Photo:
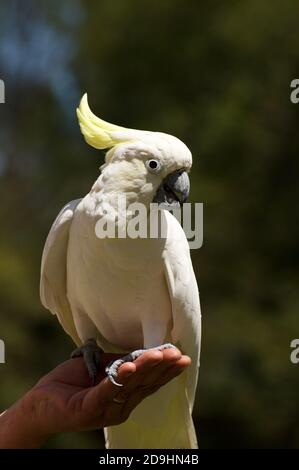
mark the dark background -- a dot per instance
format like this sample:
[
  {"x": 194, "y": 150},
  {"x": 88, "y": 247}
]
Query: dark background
[{"x": 217, "y": 75}]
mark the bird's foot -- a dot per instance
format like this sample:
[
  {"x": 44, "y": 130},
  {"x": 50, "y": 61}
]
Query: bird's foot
[
  {"x": 112, "y": 368},
  {"x": 91, "y": 354}
]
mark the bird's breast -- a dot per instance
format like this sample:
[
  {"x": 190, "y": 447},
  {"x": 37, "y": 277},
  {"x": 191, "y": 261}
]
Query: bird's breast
[{"x": 121, "y": 286}]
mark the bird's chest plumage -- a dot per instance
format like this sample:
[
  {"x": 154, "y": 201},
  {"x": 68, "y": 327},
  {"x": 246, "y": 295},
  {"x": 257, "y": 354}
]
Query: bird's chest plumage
[{"x": 120, "y": 285}]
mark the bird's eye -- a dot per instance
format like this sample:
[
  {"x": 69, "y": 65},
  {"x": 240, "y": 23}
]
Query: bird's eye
[{"x": 153, "y": 165}]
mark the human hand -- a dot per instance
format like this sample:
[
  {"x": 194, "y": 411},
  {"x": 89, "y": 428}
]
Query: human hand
[{"x": 63, "y": 401}]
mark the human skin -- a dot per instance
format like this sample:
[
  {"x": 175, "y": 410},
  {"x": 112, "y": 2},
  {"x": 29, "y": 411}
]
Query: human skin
[{"x": 64, "y": 401}]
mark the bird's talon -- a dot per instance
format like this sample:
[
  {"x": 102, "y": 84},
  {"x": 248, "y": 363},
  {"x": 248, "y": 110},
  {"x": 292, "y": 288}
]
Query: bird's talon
[
  {"x": 91, "y": 354},
  {"x": 112, "y": 368},
  {"x": 114, "y": 382}
]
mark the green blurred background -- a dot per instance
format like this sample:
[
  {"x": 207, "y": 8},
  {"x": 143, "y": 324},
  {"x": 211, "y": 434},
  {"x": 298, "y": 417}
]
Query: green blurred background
[{"x": 217, "y": 75}]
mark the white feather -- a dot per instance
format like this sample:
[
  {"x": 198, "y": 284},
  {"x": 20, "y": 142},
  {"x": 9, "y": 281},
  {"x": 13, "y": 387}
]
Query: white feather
[{"x": 53, "y": 270}]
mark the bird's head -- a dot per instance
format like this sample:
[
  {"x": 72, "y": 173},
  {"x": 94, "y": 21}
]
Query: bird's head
[{"x": 152, "y": 165}]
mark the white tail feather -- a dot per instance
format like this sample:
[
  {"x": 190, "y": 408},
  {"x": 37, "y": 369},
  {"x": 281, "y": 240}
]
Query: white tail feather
[{"x": 161, "y": 421}]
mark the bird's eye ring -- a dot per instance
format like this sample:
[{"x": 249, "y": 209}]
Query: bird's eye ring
[{"x": 153, "y": 165}]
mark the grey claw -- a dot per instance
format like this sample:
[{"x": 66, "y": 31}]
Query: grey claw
[
  {"x": 112, "y": 368},
  {"x": 91, "y": 354},
  {"x": 165, "y": 346},
  {"x": 111, "y": 378}
]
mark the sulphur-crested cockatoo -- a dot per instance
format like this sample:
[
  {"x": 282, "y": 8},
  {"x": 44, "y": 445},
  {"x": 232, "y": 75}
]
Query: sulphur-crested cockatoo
[{"x": 129, "y": 293}]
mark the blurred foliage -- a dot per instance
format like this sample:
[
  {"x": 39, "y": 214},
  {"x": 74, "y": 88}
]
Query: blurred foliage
[{"x": 217, "y": 75}]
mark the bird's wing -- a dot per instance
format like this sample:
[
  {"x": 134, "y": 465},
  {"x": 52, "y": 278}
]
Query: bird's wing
[
  {"x": 183, "y": 291},
  {"x": 53, "y": 270}
]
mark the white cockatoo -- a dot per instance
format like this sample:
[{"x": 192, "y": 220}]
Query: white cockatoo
[{"x": 129, "y": 293}]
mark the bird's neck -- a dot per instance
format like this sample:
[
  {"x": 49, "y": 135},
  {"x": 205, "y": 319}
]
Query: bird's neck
[{"x": 121, "y": 200}]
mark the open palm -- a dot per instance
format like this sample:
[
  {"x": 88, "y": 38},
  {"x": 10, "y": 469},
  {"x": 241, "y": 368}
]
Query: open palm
[{"x": 64, "y": 401}]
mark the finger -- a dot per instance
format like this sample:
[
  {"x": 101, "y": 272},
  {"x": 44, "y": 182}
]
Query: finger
[
  {"x": 129, "y": 375},
  {"x": 181, "y": 364},
  {"x": 148, "y": 359},
  {"x": 142, "y": 391},
  {"x": 151, "y": 363},
  {"x": 147, "y": 390},
  {"x": 164, "y": 375},
  {"x": 105, "y": 391},
  {"x": 149, "y": 366},
  {"x": 133, "y": 393},
  {"x": 171, "y": 373},
  {"x": 144, "y": 364},
  {"x": 150, "y": 371},
  {"x": 184, "y": 361},
  {"x": 171, "y": 354},
  {"x": 170, "y": 357},
  {"x": 174, "y": 369}
]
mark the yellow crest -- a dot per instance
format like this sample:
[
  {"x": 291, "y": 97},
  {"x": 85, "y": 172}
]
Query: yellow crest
[{"x": 97, "y": 133}]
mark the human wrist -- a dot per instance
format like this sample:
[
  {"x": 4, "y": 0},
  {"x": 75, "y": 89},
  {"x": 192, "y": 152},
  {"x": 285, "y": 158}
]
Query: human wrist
[{"x": 21, "y": 427}]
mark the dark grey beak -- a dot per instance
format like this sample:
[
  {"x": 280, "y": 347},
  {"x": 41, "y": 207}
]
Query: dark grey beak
[{"x": 174, "y": 189}]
